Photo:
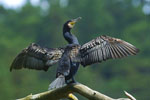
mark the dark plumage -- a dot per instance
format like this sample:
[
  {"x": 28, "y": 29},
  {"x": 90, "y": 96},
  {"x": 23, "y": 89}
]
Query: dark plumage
[
  {"x": 36, "y": 57},
  {"x": 103, "y": 48},
  {"x": 97, "y": 50}
]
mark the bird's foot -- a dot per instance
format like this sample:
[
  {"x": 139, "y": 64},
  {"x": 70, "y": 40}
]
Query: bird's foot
[{"x": 71, "y": 81}]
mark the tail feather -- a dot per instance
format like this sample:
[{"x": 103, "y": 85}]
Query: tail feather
[{"x": 57, "y": 83}]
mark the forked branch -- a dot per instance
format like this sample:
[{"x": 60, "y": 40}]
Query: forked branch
[{"x": 66, "y": 92}]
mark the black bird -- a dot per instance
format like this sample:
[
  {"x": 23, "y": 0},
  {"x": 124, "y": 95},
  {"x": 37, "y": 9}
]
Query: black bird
[{"x": 97, "y": 50}]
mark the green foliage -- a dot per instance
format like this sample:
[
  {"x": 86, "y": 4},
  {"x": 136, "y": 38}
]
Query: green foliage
[{"x": 117, "y": 18}]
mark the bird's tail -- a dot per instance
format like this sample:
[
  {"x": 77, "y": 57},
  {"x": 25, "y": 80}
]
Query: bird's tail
[{"x": 57, "y": 83}]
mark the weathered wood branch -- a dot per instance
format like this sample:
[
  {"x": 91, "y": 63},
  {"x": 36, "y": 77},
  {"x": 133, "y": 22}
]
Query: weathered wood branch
[{"x": 66, "y": 92}]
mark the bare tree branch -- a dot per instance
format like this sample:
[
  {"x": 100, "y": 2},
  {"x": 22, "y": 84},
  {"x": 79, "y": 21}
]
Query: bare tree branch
[{"x": 66, "y": 92}]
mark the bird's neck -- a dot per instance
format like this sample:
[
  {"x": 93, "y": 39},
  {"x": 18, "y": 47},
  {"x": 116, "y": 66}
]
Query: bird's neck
[{"x": 70, "y": 38}]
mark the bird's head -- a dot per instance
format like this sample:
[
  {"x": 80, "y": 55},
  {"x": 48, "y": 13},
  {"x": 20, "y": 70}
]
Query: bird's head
[{"x": 70, "y": 23}]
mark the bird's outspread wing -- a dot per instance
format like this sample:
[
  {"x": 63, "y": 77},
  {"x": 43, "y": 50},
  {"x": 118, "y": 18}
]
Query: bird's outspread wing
[
  {"x": 103, "y": 48},
  {"x": 36, "y": 57}
]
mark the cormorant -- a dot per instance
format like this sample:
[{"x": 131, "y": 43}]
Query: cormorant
[{"x": 68, "y": 58}]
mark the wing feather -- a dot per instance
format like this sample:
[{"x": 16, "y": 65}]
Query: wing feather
[
  {"x": 36, "y": 57},
  {"x": 103, "y": 48}
]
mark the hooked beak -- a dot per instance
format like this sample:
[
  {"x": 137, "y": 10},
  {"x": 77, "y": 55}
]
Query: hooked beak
[
  {"x": 73, "y": 21},
  {"x": 76, "y": 20}
]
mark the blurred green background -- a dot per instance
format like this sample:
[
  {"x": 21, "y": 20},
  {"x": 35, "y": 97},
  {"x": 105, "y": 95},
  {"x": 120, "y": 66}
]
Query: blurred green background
[{"x": 42, "y": 24}]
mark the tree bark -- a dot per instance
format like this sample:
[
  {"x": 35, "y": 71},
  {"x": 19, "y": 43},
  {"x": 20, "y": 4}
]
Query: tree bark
[{"x": 66, "y": 92}]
